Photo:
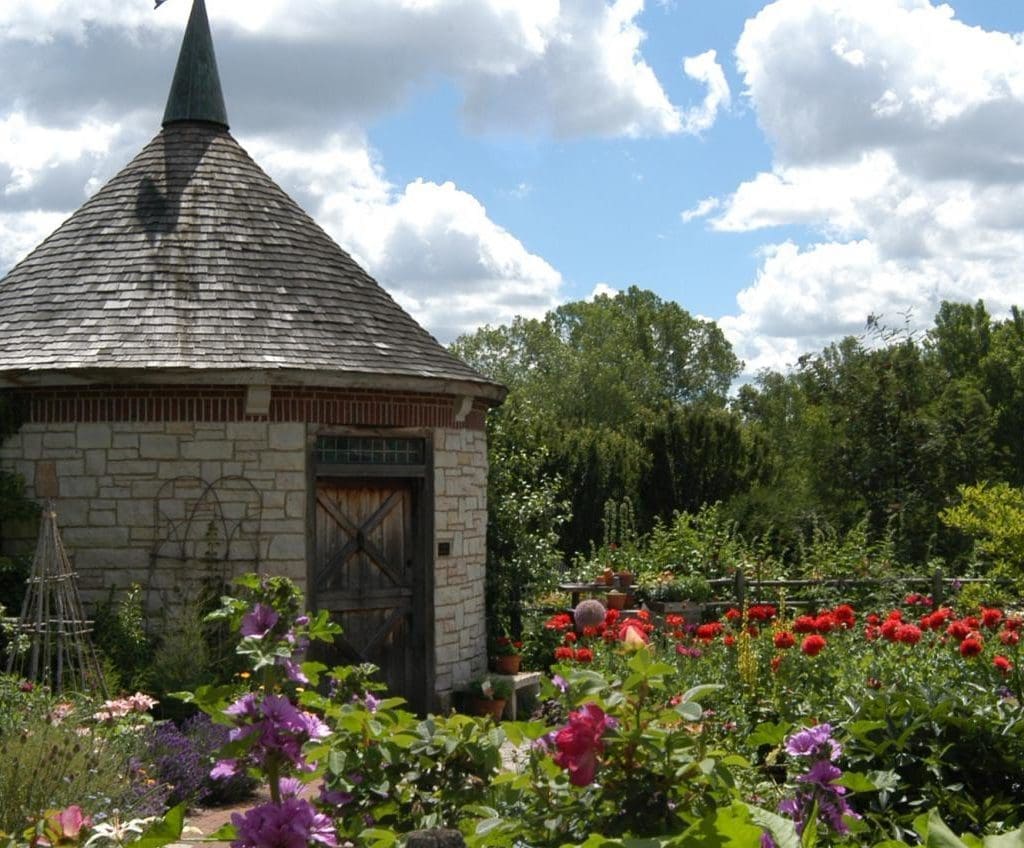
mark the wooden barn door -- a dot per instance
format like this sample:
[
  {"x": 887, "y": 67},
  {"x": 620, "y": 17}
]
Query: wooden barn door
[{"x": 370, "y": 573}]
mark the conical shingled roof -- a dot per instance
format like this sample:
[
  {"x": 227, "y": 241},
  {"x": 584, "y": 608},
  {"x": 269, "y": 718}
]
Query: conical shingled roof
[{"x": 193, "y": 260}]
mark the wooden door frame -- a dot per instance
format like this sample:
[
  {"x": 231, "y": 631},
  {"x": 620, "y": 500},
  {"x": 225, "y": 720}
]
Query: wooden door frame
[{"x": 421, "y": 481}]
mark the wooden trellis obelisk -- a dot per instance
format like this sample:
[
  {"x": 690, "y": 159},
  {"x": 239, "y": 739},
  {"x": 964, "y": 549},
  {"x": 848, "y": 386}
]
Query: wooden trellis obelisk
[{"x": 54, "y": 634}]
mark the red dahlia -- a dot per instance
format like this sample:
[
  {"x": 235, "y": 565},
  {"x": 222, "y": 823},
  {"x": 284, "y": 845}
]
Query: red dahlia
[{"x": 813, "y": 645}]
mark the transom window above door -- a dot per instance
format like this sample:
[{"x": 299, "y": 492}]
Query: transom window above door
[{"x": 349, "y": 452}]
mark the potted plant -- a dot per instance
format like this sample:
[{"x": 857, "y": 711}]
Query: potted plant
[
  {"x": 486, "y": 696},
  {"x": 616, "y": 600},
  {"x": 680, "y": 594},
  {"x": 506, "y": 656}
]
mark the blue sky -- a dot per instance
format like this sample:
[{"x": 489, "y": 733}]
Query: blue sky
[{"x": 490, "y": 158}]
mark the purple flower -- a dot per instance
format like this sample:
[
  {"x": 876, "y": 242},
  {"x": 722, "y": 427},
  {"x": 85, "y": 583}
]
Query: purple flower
[
  {"x": 560, "y": 683},
  {"x": 224, "y": 769},
  {"x": 812, "y": 741},
  {"x": 293, "y": 671},
  {"x": 292, "y": 824},
  {"x": 823, "y": 773},
  {"x": 335, "y": 797},
  {"x": 245, "y": 707},
  {"x": 259, "y": 622},
  {"x": 290, "y": 787},
  {"x": 371, "y": 702}
]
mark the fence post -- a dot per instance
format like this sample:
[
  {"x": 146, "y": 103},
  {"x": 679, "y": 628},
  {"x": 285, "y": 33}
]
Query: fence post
[
  {"x": 741, "y": 589},
  {"x": 937, "y": 586}
]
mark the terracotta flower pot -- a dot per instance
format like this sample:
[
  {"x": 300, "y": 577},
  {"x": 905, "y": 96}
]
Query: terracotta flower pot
[
  {"x": 508, "y": 664},
  {"x": 492, "y": 707},
  {"x": 616, "y": 600}
]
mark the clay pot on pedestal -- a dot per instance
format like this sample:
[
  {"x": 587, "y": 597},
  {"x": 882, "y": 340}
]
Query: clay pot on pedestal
[
  {"x": 492, "y": 707},
  {"x": 616, "y": 600},
  {"x": 507, "y": 664}
]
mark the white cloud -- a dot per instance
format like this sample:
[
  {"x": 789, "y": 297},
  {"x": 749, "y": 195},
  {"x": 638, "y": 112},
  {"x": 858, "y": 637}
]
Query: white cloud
[
  {"x": 28, "y": 149},
  {"x": 20, "y": 233},
  {"x": 895, "y": 130},
  {"x": 705, "y": 68},
  {"x": 571, "y": 68},
  {"x": 432, "y": 245},
  {"x": 602, "y": 290},
  {"x": 701, "y": 210}
]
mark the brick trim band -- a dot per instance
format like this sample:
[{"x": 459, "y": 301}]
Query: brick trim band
[{"x": 201, "y": 404}]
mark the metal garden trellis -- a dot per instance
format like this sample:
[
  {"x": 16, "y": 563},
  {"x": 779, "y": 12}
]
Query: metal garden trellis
[{"x": 51, "y": 642}]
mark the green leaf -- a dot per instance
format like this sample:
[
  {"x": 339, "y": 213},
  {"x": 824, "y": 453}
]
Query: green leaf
[
  {"x": 1013, "y": 839},
  {"x": 768, "y": 733},
  {"x": 783, "y": 830},
  {"x": 935, "y": 833},
  {"x": 378, "y": 838},
  {"x": 224, "y": 833},
  {"x": 690, "y": 710},
  {"x": 700, "y": 691},
  {"x": 164, "y": 830},
  {"x": 856, "y": 782},
  {"x": 725, "y": 827}
]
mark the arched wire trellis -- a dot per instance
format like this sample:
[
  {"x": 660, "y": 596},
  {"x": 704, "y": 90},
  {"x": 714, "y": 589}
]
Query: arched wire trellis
[
  {"x": 203, "y": 530},
  {"x": 53, "y": 630}
]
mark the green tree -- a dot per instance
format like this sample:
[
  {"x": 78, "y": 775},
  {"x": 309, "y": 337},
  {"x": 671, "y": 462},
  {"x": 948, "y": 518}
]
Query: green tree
[
  {"x": 590, "y": 378},
  {"x": 993, "y": 515}
]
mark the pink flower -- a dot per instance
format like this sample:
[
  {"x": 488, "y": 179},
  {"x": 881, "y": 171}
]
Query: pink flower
[{"x": 579, "y": 743}]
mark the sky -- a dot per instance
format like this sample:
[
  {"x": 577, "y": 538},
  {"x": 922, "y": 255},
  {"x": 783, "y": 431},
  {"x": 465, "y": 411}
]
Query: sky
[{"x": 785, "y": 169}]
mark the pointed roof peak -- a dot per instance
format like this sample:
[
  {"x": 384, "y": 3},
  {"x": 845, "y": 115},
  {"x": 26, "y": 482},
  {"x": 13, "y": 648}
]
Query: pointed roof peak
[{"x": 195, "y": 92}]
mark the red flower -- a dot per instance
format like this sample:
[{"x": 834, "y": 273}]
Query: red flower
[
  {"x": 845, "y": 616},
  {"x": 958, "y": 629},
  {"x": 590, "y": 631},
  {"x": 561, "y": 621},
  {"x": 776, "y": 662},
  {"x": 908, "y": 634},
  {"x": 584, "y": 655},
  {"x": 707, "y": 632},
  {"x": 1009, "y": 637},
  {"x": 971, "y": 646},
  {"x": 804, "y": 624},
  {"x": 1013, "y": 623},
  {"x": 889, "y": 628},
  {"x": 611, "y": 616},
  {"x": 991, "y": 617},
  {"x": 784, "y": 640},
  {"x": 825, "y": 623},
  {"x": 871, "y": 632},
  {"x": 579, "y": 743},
  {"x": 873, "y": 619},
  {"x": 761, "y": 612},
  {"x": 895, "y": 615},
  {"x": 729, "y": 640},
  {"x": 570, "y": 637},
  {"x": 732, "y": 614},
  {"x": 813, "y": 645},
  {"x": 1002, "y": 663},
  {"x": 563, "y": 653},
  {"x": 673, "y": 620}
]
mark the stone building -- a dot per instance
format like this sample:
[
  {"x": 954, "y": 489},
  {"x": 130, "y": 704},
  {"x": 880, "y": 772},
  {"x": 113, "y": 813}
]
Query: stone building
[{"x": 210, "y": 385}]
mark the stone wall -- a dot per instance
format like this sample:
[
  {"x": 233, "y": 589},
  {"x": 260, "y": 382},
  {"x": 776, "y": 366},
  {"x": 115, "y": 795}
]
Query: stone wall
[
  {"x": 460, "y": 519},
  {"x": 170, "y": 504}
]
